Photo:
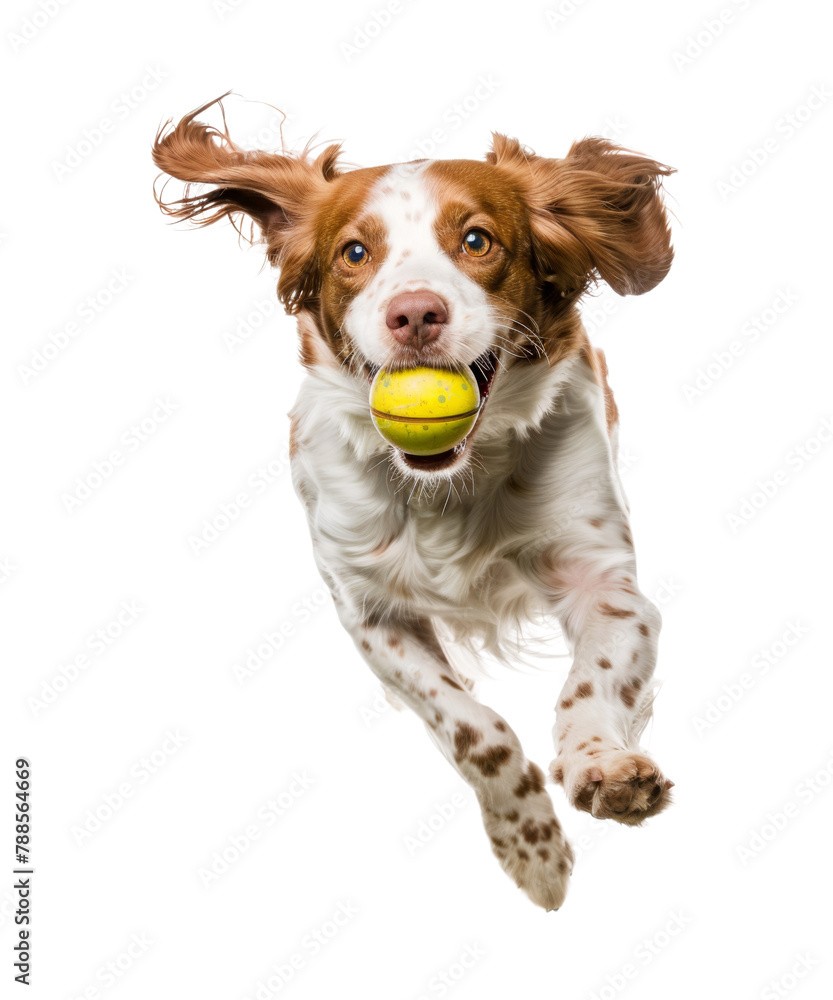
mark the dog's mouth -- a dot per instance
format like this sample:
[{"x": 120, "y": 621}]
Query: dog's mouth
[{"x": 484, "y": 369}]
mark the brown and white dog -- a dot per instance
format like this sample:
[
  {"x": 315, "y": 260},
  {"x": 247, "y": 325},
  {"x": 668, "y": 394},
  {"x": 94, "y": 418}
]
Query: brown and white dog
[{"x": 479, "y": 264}]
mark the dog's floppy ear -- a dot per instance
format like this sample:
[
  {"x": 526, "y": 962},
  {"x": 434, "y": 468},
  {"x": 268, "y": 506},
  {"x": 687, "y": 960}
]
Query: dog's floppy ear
[
  {"x": 278, "y": 192},
  {"x": 599, "y": 210}
]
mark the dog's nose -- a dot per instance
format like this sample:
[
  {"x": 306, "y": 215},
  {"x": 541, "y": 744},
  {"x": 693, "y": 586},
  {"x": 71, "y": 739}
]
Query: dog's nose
[{"x": 416, "y": 317}]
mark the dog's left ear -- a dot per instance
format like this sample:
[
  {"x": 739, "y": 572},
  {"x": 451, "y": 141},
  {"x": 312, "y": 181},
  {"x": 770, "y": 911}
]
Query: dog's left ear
[{"x": 600, "y": 210}]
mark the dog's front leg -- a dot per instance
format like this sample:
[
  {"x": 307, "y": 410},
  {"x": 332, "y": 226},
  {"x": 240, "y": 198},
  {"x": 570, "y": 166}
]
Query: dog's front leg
[
  {"x": 517, "y": 810},
  {"x": 612, "y": 629}
]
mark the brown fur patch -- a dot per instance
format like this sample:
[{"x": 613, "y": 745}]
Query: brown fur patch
[
  {"x": 491, "y": 760},
  {"x": 643, "y": 628},
  {"x": 610, "y": 611},
  {"x": 450, "y": 681},
  {"x": 465, "y": 737},
  {"x": 529, "y": 831},
  {"x": 604, "y": 663},
  {"x": 566, "y": 703},
  {"x": 532, "y": 783},
  {"x": 584, "y": 690},
  {"x": 597, "y": 362}
]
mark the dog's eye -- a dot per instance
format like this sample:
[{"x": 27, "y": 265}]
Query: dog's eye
[
  {"x": 355, "y": 255},
  {"x": 476, "y": 243}
]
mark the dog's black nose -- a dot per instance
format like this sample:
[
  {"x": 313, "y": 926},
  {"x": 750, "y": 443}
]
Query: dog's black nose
[{"x": 416, "y": 317}]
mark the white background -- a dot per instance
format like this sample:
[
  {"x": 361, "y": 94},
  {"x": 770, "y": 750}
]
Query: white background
[{"x": 720, "y": 895}]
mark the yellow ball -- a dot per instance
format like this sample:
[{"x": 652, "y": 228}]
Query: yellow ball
[{"x": 424, "y": 411}]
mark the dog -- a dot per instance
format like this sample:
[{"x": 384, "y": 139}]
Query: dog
[{"x": 432, "y": 561}]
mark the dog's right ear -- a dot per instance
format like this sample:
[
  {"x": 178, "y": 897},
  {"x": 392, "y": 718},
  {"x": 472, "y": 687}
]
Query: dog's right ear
[{"x": 278, "y": 192}]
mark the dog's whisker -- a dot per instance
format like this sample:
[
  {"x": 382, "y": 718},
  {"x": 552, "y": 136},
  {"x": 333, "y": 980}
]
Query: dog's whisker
[
  {"x": 504, "y": 340},
  {"x": 412, "y": 491},
  {"x": 447, "y": 498},
  {"x": 533, "y": 339}
]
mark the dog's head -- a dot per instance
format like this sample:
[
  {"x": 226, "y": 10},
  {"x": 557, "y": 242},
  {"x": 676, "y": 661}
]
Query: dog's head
[{"x": 440, "y": 263}]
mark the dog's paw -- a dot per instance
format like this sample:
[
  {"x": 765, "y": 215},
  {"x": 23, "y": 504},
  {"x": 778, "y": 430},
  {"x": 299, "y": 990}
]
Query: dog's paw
[
  {"x": 527, "y": 839},
  {"x": 613, "y": 784}
]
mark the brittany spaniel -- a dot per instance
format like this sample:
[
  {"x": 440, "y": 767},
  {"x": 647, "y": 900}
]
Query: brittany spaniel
[{"x": 430, "y": 561}]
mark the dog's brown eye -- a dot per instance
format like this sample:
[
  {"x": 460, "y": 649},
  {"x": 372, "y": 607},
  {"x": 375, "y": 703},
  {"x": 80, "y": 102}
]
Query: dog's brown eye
[
  {"x": 476, "y": 243},
  {"x": 355, "y": 254}
]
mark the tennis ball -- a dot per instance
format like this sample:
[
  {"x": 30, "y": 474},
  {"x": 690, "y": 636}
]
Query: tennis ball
[{"x": 424, "y": 411}]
